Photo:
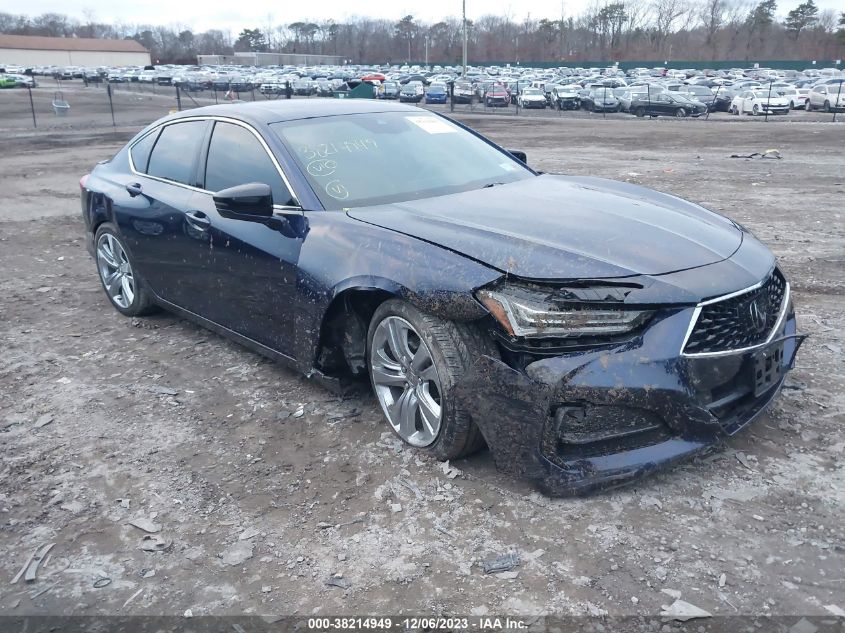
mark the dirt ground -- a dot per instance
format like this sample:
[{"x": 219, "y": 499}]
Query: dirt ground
[{"x": 265, "y": 485}]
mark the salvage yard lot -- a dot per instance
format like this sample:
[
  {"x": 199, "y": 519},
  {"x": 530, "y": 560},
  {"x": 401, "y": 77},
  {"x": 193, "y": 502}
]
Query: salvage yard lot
[{"x": 265, "y": 486}]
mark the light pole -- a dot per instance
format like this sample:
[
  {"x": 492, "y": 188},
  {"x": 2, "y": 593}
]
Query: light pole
[
  {"x": 426, "y": 51},
  {"x": 465, "y": 39}
]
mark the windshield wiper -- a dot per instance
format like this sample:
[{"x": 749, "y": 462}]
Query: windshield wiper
[{"x": 492, "y": 184}]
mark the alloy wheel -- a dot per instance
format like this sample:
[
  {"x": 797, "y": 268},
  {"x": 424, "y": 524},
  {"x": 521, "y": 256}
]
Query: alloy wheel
[
  {"x": 406, "y": 381},
  {"x": 115, "y": 271}
]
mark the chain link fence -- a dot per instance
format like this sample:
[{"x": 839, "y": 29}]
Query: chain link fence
[{"x": 77, "y": 104}]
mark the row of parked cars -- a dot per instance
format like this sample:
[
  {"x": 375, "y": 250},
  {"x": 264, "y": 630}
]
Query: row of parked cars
[{"x": 639, "y": 91}]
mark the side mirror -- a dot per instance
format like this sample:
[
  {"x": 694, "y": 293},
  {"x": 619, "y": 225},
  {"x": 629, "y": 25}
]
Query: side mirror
[
  {"x": 252, "y": 202},
  {"x": 519, "y": 155}
]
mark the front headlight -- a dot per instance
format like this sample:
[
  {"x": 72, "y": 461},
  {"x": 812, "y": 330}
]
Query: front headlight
[{"x": 552, "y": 312}]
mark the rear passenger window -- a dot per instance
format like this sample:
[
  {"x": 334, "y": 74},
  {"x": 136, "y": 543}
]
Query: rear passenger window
[
  {"x": 174, "y": 152},
  {"x": 141, "y": 151},
  {"x": 236, "y": 157}
]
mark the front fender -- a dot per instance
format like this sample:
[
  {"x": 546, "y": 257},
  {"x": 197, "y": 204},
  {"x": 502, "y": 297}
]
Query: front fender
[{"x": 341, "y": 254}]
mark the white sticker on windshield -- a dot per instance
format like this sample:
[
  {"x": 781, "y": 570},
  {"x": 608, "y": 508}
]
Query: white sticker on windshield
[
  {"x": 507, "y": 166},
  {"x": 432, "y": 124}
]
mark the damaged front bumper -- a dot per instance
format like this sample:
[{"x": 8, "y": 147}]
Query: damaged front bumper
[{"x": 591, "y": 420}]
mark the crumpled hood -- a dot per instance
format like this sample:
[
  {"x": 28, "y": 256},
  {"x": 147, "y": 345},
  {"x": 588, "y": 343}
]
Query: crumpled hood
[{"x": 562, "y": 227}]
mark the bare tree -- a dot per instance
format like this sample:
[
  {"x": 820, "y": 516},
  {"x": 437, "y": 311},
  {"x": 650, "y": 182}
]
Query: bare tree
[
  {"x": 712, "y": 16},
  {"x": 666, "y": 14}
]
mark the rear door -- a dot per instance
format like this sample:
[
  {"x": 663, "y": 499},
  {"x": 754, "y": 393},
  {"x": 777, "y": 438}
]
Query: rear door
[{"x": 152, "y": 213}]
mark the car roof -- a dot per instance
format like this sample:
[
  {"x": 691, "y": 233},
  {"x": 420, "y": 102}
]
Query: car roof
[{"x": 277, "y": 110}]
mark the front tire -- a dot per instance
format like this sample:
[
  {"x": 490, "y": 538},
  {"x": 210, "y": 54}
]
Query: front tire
[
  {"x": 126, "y": 291},
  {"x": 827, "y": 106},
  {"x": 680, "y": 113},
  {"x": 415, "y": 360}
]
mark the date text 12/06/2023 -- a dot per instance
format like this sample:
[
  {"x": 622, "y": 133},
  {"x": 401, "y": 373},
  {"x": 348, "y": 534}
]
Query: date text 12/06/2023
[{"x": 405, "y": 623}]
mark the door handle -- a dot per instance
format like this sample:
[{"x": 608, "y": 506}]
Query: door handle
[
  {"x": 198, "y": 220},
  {"x": 133, "y": 189}
]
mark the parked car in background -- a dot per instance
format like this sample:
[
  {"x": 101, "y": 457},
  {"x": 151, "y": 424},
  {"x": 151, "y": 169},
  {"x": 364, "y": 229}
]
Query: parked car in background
[
  {"x": 601, "y": 100},
  {"x": 436, "y": 93},
  {"x": 625, "y": 96},
  {"x": 797, "y": 97},
  {"x": 532, "y": 98},
  {"x": 497, "y": 96},
  {"x": 702, "y": 94},
  {"x": 304, "y": 88},
  {"x": 324, "y": 88},
  {"x": 389, "y": 90},
  {"x": 566, "y": 97},
  {"x": 666, "y": 104},
  {"x": 412, "y": 92},
  {"x": 464, "y": 92},
  {"x": 21, "y": 81},
  {"x": 759, "y": 101},
  {"x": 828, "y": 96},
  {"x": 722, "y": 98}
]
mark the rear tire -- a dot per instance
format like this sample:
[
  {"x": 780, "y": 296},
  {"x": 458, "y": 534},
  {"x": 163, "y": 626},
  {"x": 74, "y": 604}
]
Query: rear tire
[
  {"x": 118, "y": 275},
  {"x": 640, "y": 112},
  {"x": 452, "y": 348},
  {"x": 826, "y": 106}
]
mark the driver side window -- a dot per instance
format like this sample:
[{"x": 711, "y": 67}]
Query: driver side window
[{"x": 236, "y": 157}]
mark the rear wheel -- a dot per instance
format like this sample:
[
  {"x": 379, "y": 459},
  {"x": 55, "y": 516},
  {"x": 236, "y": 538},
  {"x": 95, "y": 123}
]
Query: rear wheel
[
  {"x": 755, "y": 110},
  {"x": 640, "y": 112},
  {"x": 123, "y": 287},
  {"x": 827, "y": 106},
  {"x": 415, "y": 360}
]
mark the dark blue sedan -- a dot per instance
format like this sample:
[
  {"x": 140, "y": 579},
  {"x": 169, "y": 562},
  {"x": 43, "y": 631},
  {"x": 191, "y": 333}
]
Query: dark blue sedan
[
  {"x": 588, "y": 331},
  {"x": 436, "y": 93}
]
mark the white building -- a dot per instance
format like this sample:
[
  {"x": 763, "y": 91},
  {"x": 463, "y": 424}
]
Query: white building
[{"x": 30, "y": 50}]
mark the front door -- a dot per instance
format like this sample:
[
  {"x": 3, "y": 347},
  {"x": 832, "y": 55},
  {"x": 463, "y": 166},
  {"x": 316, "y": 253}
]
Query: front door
[{"x": 249, "y": 268}]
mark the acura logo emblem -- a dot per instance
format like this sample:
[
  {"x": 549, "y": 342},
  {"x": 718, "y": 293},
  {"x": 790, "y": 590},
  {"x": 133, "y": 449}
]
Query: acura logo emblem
[{"x": 757, "y": 313}]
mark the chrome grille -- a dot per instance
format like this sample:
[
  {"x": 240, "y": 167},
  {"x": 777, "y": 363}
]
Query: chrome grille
[{"x": 740, "y": 321}]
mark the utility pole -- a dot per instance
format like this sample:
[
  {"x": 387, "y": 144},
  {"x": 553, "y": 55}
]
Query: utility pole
[
  {"x": 465, "y": 38},
  {"x": 426, "y": 51}
]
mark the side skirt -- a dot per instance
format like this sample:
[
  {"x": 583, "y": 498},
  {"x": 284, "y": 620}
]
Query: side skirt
[{"x": 329, "y": 382}]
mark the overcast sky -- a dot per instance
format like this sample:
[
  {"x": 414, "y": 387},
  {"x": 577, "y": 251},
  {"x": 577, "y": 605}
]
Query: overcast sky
[{"x": 233, "y": 16}]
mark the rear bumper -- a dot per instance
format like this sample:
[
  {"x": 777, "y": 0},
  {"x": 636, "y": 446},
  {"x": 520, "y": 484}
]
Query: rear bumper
[{"x": 588, "y": 421}]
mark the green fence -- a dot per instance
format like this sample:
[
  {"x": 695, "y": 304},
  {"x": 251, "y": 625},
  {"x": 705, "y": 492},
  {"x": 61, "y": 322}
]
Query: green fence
[{"x": 778, "y": 64}]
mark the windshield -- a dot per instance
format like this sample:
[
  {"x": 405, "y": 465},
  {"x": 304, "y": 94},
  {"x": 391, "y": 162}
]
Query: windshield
[
  {"x": 360, "y": 160},
  {"x": 531, "y": 91}
]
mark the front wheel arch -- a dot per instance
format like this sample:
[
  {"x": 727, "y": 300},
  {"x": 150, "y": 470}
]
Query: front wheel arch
[{"x": 339, "y": 348}]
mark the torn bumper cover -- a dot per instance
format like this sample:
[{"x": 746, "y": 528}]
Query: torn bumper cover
[{"x": 593, "y": 420}]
